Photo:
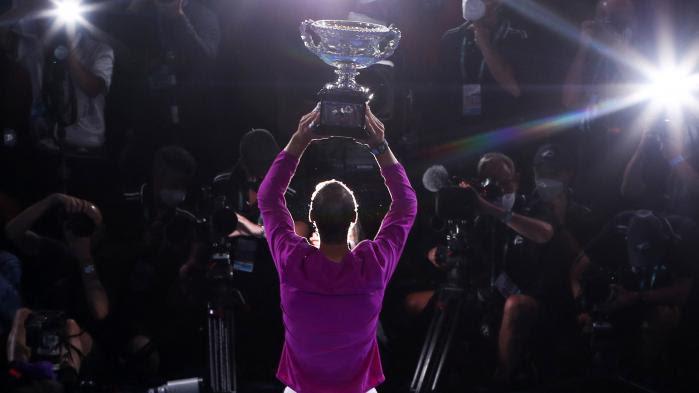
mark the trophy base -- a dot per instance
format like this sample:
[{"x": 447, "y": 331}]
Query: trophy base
[{"x": 342, "y": 113}]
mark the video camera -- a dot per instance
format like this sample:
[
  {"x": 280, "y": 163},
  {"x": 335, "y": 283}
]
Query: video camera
[{"x": 455, "y": 202}]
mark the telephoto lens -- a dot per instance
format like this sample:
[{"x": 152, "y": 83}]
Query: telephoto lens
[
  {"x": 80, "y": 224},
  {"x": 190, "y": 385}
]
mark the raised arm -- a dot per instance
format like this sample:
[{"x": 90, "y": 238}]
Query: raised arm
[
  {"x": 499, "y": 67},
  {"x": 276, "y": 218},
  {"x": 397, "y": 223},
  {"x": 18, "y": 230},
  {"x": 197, "y": 34},
  {"x": 573, "y": 88}
]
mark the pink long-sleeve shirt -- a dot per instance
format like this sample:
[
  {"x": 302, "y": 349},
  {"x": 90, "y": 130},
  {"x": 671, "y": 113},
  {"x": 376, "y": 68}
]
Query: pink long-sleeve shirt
[{"x": 330, "y": 309}]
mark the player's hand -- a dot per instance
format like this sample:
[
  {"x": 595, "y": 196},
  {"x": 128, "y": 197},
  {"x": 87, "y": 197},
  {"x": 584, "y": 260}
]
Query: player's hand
[{"x": 375, "y": 129}]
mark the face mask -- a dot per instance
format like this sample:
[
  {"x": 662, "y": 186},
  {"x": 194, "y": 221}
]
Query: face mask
[
  {"x": 172, "y": 198},
  {"x": 473, "y": 10},
  {"x": 507, "y": 201},
  {"x": 549, "y": 189}
]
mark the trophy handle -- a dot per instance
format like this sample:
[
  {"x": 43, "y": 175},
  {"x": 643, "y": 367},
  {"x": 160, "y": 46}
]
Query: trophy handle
[
  {"x": 307, "y": 37},
  {"x": 392, "y": 40}
]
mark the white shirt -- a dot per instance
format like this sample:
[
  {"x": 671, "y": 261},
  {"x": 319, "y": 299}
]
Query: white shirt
[{"x": 89, "y": 129}]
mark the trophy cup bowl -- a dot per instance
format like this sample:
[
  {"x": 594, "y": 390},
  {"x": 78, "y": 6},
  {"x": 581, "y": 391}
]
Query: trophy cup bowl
[{"x": 348, "y": 46}]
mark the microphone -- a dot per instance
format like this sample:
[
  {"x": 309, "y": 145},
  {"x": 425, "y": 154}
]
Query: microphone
[{"x": 435, "y": 178}]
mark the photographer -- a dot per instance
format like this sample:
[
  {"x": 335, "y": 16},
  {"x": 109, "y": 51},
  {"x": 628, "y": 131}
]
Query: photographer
[
  {"x": 525, "y": 236},
  {"x": 70, "y": 72},
  {"x": 662, "y": 174},
  {"x": 592, "y": 71},
  {"x": 598, "y": 75},
  {"x": 163, "y": 248},
  {"x": 173, "y": 47},
  {"x": 65, "y": 277},
  {"x": 484, "y": 64},
  {"x": 257, "y": 151},
  {"x": 651, "y": 300},
  {"x": 331, "y": 295}
]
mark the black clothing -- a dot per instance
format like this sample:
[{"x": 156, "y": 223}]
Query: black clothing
[
  {"x": 542, "y": 270},
  {"x": 609, "y": 249},
  {"x": 462, "y": 63},
  {"x": 53, "y": 281}
]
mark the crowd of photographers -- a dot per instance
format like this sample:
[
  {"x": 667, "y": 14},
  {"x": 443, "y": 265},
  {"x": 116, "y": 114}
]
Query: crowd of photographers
[{"x": 574, "y": 250}]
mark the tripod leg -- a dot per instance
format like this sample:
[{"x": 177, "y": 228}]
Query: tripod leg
[
  {"x": 213, "y": 372},
  {"x": 427, "y": 349},
  {"x": 222, "y": 365},
  {"x": 451, "y": 328}
]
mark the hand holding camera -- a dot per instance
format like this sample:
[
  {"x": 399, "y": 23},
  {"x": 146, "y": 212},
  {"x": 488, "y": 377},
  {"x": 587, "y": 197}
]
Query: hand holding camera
[
  {"x": 80, "y": 220},
  {"x": 481, "y": 33},
  {"x": 72, "y": 205},
  {"x": 474, "y": 198}
]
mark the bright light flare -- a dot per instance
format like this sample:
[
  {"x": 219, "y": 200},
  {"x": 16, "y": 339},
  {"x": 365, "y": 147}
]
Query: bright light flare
[
  {"x": 68, "y": 12},
  {"x": 672, "y": 88}
]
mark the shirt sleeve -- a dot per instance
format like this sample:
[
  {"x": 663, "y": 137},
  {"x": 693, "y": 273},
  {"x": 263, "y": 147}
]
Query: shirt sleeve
[
  {"x": 396, "y": 225},
  {"x": 277, "y": 221},
  {"x": 103, "y": 65}
]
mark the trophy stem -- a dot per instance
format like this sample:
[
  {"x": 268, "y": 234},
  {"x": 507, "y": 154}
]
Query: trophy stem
[{"x": 346, "y": 78}]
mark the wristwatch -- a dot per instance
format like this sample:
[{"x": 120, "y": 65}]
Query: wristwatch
[
  {"x": 89, "y": 269},
  {"x": 379, "y": 149}
]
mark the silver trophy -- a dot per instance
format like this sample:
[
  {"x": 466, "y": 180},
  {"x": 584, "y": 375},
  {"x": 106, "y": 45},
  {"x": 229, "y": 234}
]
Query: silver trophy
[{"x": 348, "y": 46}]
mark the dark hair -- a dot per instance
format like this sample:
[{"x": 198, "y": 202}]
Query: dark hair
[
  {"x": 554, "y": 158},
  {"x": 490, "y": 157},
  {"x": 258, "y": 148},
  {"x": 333, "y": 210},
  {"x": 176, "y": 159}
]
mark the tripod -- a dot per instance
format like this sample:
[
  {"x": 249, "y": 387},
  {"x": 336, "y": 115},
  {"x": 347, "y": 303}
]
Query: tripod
[
  {"x": 223, "y": 300},
  {"x": 458, "y": 295},
  {"x": 440, "y": 335},
  {"x": 452, "y": 299}
]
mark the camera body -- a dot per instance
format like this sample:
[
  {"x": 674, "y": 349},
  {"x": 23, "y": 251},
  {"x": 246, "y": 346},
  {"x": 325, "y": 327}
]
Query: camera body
[
  {"x": 46, "y": 333},
  {"x": 457, "y": 203},
  {"x": 79, "y": 224},
  {"x": 597, "y": 284}
]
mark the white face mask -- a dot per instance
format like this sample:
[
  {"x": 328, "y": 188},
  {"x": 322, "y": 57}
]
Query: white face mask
[
  {"x": 507, "y": 201},
  {"x": 172, "y": 197},
  {"x": 473, "y": 10}
]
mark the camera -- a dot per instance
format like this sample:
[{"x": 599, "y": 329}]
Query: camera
[
  {"x": 46, "y": 333},
  {"x": 596, "y": 288},
  {"x": 457, "y": 203},
  {"x": 79, "y": 224}
]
